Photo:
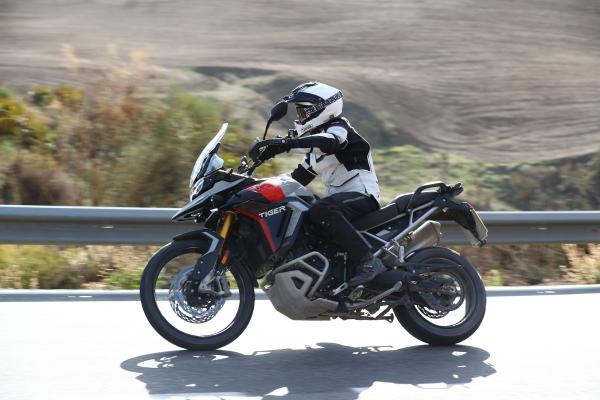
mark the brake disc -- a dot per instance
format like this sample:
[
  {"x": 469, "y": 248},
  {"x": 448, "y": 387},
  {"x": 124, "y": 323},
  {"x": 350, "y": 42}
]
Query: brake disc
[
  {"x": 440, "y": 297},
  {"x": 203, "y": 310}
]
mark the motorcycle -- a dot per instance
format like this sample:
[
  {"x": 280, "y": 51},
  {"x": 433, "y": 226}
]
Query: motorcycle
[{"x": 198, "y": 290}]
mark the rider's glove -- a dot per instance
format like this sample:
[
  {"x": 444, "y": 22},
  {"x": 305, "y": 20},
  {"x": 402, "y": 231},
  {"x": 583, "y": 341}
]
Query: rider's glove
[{"x": 269, "y": 148}]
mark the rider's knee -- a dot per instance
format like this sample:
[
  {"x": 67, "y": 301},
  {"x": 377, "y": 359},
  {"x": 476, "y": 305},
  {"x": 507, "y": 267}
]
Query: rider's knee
[{"x": 324, "y": 212}]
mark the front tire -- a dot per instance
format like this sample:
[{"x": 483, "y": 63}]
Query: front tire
[
  {"x": 165, "y": 326},
  {"x": 423, "y": 328}
]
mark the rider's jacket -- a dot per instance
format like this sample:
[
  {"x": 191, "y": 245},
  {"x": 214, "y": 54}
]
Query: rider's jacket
[{"x": 341, "y": 156}]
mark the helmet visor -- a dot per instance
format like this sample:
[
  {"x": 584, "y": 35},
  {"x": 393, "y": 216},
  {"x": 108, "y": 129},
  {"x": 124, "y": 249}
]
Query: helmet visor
[{"x": 301, "y": 112}]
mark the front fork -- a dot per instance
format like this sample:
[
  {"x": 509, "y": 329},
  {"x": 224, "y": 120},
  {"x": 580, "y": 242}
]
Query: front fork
[
  {"x": 223, "y": 232},
  {"x": 206, "y": 268}
]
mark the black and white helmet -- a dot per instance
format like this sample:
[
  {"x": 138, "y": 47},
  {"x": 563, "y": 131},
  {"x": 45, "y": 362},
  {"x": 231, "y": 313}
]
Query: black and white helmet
[{"x": 316, "y": 103}]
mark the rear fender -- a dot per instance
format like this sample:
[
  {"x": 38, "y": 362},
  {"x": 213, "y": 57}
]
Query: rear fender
[{"x": 464, "y": 215}]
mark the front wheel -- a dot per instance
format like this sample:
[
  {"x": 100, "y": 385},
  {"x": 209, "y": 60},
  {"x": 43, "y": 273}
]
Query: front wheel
[
  {"x": 460, "y": 299},
  {"x": 207, "y": 322}
]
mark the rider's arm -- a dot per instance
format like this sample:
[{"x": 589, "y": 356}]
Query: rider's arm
[
  {"x": 328, "y": 142},
  {"x": 304, "y": 174}
]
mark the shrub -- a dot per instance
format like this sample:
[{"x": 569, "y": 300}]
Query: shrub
[
  {"x": 125, "y": 279},
  {"x": 11, "y": 115},
  {"x": 8, "y": 126},
  {"x": 126, "y": 266},
  {"x": 5, "y": 92},
  {"x": 493, "y": 278},
  {"x": 517, "y": 264},
  {"x": 38, "y": 179},
  {"x": 41, "y": 95},
  {"x": 31, "y": 267},
  {"x": 19, "y": 123},
  {"x": 54, "y": 267},
  {"x": 584, "y": 263},
  {"x": 120, "y": 147},
  {"x": 69, "y": 96}
]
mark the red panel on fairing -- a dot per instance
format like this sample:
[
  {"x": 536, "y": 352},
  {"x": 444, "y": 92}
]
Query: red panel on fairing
[{"x": 270, "y": 189}]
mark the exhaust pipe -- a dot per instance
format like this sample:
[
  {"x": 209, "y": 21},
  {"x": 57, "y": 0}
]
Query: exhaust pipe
[{"x": 428, "y": 235}]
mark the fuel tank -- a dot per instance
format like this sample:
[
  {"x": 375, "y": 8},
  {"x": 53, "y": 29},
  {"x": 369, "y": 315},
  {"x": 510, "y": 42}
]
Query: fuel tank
[
  {"x": 280, "y": 187},
  {"x": 273, "y": 203}
]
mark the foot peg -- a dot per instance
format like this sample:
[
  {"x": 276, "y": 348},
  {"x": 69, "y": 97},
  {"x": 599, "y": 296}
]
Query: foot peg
[
  {"x": 339, "y": 290},
  {"x": 356, "y": 293}
]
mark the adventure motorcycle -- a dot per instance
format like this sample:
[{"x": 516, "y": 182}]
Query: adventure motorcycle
[{"x": 256, "y": 233}]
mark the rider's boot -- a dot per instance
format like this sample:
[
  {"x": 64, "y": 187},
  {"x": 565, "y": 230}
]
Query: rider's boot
[{"x": 368, "y": 268}]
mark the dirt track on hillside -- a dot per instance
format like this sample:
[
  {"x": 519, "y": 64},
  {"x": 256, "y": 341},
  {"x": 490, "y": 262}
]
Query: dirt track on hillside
[{"x": 491, "y": 79}]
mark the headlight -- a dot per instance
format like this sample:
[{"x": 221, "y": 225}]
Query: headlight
[{"x": 196, "y": 189}]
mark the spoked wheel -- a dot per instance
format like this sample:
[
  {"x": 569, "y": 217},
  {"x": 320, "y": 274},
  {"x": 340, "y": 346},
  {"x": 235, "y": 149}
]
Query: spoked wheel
[
  {"x": 456, "y": 299},
  {"x": 206, "y": 321}
]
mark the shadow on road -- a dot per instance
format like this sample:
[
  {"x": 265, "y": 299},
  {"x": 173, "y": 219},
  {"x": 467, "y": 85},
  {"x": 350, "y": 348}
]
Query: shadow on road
[{"x": 307, "y": 372}]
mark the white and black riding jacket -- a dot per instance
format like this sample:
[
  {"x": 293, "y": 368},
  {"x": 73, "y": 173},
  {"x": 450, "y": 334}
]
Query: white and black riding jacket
[{"x": 341, "y": 156}]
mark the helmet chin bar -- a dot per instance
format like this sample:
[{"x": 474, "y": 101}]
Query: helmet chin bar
[{"x": 302, "y": 129}]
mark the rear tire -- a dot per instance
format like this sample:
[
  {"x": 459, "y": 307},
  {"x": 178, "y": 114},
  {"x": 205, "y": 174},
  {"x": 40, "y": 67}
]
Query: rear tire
[
  {"x": 168, "y": 331},
  {"x": 475, "y": 300}
]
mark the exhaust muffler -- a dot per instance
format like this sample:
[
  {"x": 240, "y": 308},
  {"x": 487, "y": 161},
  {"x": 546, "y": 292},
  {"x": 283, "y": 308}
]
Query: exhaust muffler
[{"x": 427, "y": 235}]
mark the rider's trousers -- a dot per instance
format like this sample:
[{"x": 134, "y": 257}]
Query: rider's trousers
[{"x": 334, "y": 213}]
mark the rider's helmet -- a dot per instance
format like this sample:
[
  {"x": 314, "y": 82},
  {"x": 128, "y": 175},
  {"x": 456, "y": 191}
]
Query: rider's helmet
[{"x": 316, "y": 103}]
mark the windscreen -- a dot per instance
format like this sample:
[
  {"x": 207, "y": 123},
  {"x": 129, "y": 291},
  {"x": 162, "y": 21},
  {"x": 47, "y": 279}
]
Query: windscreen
[{"x": 204, "y": 157}]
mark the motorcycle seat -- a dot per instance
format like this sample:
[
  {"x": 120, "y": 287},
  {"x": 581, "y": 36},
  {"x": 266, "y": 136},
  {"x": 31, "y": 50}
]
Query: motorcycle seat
[{"x": 396, "y": 207}]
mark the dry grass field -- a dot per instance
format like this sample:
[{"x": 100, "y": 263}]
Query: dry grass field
[{"x": 495, "y": 80}]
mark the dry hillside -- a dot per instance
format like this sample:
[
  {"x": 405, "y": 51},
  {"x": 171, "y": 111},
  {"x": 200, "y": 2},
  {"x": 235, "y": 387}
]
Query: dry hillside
[{"x": 490, "y": 79}]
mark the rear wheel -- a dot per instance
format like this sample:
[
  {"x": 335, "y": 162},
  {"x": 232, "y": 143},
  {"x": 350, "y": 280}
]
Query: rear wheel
[
  {"x": 207, "y": 322},
  {"x": 460, "y": 300}
]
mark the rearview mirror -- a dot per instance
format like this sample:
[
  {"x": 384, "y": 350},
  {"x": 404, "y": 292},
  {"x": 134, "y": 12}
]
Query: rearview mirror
[{"x": 277, "y": 112}]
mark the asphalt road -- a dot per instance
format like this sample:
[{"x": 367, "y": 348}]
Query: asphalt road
[{"x": 529, "y": 347}]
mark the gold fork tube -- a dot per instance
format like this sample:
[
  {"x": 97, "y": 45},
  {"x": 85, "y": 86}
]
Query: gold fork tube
[{"x": 227, "y": 221}]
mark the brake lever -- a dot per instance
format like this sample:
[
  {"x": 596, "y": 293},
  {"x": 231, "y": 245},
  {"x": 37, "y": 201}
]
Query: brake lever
[
  {"x": 243, "y": 167},
  {"x": 256, "y": 164}
]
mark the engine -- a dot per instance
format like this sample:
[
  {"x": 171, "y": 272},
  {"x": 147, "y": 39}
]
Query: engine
[{"x": 295, "y": 286}]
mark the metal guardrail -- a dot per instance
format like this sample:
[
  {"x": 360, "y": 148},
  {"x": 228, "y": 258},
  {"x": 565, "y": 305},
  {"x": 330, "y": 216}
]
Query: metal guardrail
[{"x": 124, "y": 225}]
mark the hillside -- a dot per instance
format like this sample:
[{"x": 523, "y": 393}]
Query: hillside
[
  {"x": 97, "y": 145},
  {"x": 493, "y": 80}
]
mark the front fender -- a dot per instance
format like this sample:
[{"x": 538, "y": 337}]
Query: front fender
[{"x": 201, "y": 235}]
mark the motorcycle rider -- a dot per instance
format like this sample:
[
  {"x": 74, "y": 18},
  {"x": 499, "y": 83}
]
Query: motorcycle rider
[{"x": 342, "y": 157}]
